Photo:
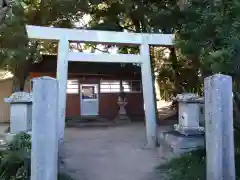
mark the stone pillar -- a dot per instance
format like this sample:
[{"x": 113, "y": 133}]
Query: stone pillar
[
  {"x": 62, "y": 76},
  {"x": 148, "y": 96},
  {"x": 219, "y": 127},
  {"x": 20, "y": 112},
  {"x": 44, "y": 155}
]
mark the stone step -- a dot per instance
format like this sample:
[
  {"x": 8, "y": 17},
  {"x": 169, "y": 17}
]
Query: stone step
[
  {"x": 88, "y": 121},
  {"x": 89, "y": 124},
  {"x": 87, "y": 118}
]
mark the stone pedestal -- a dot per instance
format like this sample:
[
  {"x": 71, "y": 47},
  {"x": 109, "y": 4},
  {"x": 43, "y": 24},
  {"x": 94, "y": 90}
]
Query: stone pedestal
[
  {"x": 20, "y": 112},
  {"x": 122, "y": 117},
  {"x": 189, "y": 114},
  {"x": 179, "y": 143}
]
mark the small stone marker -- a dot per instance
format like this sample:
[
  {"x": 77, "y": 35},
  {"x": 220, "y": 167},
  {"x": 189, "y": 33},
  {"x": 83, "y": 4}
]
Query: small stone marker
[
  {"x": 44, "y": 157},
  {"x": 219, "y": 127},
  {"x": 20, "y": 112}
]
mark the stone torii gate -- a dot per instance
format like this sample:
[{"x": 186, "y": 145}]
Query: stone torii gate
[{"x": 63, "y": 36}]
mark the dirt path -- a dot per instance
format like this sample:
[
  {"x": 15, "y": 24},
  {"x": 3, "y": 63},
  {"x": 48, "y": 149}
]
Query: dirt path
[{"x": 114, "y": 153}]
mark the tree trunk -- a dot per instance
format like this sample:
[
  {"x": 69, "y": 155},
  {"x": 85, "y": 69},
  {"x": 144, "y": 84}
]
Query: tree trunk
[
  {"x": 177, "y": 87},
  {"x": 21, "y": 73}
]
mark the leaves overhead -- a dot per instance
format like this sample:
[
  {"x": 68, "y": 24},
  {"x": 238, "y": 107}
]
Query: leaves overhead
[
  {"x": 17, "y": 53},
  {"x": 207, "y": 34}
]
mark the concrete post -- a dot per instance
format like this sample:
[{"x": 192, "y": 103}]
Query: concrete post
[
  {"x": 228, "y": 131},
  {"x": 148, "y": 96},
  {"x": 62, "y": 76},
  {"x": 219, "y": 128},
  {"x": 44, "y": 155}
]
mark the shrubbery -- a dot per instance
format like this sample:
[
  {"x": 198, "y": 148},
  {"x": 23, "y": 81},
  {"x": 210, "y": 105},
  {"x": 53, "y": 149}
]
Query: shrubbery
[
  {"x": 191, "y": 166},
  {"x": 15, "y": 161}
]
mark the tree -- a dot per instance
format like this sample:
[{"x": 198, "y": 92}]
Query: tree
[
  {"x": 209, "y": 35},
  {"x": 17, "y": 53},
  {"x": 127, "y": 15},
  {"x": 152, "y": 17}
]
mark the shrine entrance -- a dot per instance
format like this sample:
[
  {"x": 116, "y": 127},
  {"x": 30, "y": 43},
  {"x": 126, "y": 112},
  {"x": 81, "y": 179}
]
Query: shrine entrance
[{"x": 64, "y": 36}]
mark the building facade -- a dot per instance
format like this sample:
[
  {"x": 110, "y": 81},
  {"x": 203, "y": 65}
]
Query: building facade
[{"x": 93, "y": 88}]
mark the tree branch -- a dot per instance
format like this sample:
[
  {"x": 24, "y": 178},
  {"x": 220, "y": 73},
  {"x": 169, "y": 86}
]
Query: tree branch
[
  {"x": 92, "y": 46},
  {"x": 3, "y": 12}
]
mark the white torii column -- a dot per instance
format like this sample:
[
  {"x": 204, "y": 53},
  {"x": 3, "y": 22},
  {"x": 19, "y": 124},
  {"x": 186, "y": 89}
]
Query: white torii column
[
  {"x": 148, "y": 96},
  {"x": 62, "y": 76}
]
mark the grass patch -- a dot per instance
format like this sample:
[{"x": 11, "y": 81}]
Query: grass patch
[
  {"x": 64, "y": 176},
  {"x": 191, "y": 166}
]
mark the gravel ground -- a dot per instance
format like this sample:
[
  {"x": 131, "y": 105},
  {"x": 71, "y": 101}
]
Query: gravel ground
[{"x": 115, "y": 153}]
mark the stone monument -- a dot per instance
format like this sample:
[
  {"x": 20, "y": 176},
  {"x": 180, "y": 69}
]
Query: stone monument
[
  {"x": 20, "y": 112},
  {"x": 220, "y": 160},
  {"x": 44, "y": 154},
  {"x": 122, "y": 117}
]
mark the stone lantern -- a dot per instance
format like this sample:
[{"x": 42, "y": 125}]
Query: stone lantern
[
  {"x": 188, "y": 114},
  {"x": 187, "y": 135},
  {"x": 20, "y": 112},
  {"x": 122, "y": 114}
]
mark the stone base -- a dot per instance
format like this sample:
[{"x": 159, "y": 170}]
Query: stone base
[
  {"x": 122, "y": 119},
  {"x": 187, "y": 131},
  {"x": 179, "y": 143}
]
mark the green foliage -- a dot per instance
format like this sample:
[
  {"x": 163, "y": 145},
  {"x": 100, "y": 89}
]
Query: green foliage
[
  {"x": 15, "y": 161},
  {"x": 135, "y": 16},
  {"x": 209, "y": 34},
  {"x": 175, "y": 76},
  {"x": 191, "y": 166},
  {"x": 207, "y": 42},
  {"x": 17, "y": 52},
  {"x": 63, "y": 176}
]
